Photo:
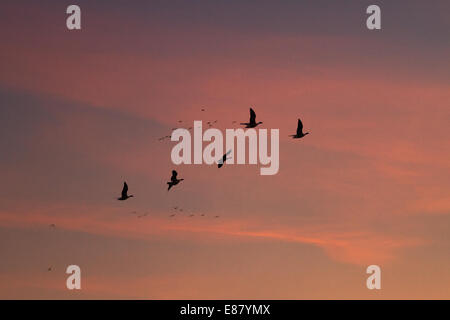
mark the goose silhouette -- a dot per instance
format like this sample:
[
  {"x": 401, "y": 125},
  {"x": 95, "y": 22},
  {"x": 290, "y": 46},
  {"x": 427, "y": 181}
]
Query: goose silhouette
[
  {"x": 224, "y": 158},
  {"x": 299, "y": 133},
  {"x": 173, "y": 180},
  {"x": 252, "y": 123},
  {"x": 125, "y": 195}
]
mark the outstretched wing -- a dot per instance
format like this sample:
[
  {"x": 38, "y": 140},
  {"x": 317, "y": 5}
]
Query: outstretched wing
[
  {"x": 174, "y": 175},
  {"x": 124, "y": 190},
  {"x": 299, "y": 127},
  {"x": 252, "y": 116},
  {"x": 223, "y": 159}
]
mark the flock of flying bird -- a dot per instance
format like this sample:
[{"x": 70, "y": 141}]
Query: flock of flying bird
[
  {"x": 251, "y": 124},
  {"x": 175, "y": 181}
]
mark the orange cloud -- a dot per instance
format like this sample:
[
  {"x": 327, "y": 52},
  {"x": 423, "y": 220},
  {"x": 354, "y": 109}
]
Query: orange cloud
[{"x": 355, "y": 247}]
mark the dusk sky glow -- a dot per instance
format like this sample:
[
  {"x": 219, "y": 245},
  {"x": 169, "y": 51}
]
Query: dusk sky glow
[{"x": 82, "y": 111}]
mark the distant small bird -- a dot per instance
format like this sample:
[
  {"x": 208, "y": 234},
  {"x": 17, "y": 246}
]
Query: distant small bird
[
  {"x": 52, "y": 225},
  {"x": 224, "y": 158},
  {"x": 299, "y": 133},
  {"x": 125, "y": 195},
  {"x": 202, "y": 215},
  {"x": 173, "y": 180},
  {"x": 172, "y": 215},
  {"x": 252, "y": 123},
  {"x": 192, "y": 215},
  {"x": 164, "y": 138},
  {"x": 203, "y": 109},
  {"x": 49, "y": 269},
  {"x": 216, "y": 216}
]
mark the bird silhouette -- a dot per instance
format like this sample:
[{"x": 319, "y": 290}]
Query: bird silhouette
[
  {"x": 52, "y": 225},
  {"x": 173, "y": 180},
  {"x": 252, "y": 123},
  {"x": 299, "y": 133},
  {"x": 165, "y": 137},
  {"x": 125, "y": 195},
  {"x": 224, "y": 158}
]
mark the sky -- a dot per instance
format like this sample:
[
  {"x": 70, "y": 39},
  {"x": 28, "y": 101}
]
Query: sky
[{"x": 81, "y": 111}]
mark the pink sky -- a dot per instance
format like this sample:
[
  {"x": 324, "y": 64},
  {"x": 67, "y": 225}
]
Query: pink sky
[{"x": 82, "y": 111}]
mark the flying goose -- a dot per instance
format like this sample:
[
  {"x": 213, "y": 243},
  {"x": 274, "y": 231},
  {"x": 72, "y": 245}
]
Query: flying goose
[
  {"x": 224, "y": 158},
  {"x": 252, "y": 123},
  {"x": 173, "y": 180},
  {"x": 125, "y": 195},
  {"x": 299, "y": 133}
]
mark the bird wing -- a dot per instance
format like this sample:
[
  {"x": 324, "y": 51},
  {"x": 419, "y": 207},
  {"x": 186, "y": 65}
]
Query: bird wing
[
  {"x": 299, "y": 127},
  {"x": 224, "y": 158},
  {"x": 252, "y": 116},
  {"x": 124, "y": 190}
]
